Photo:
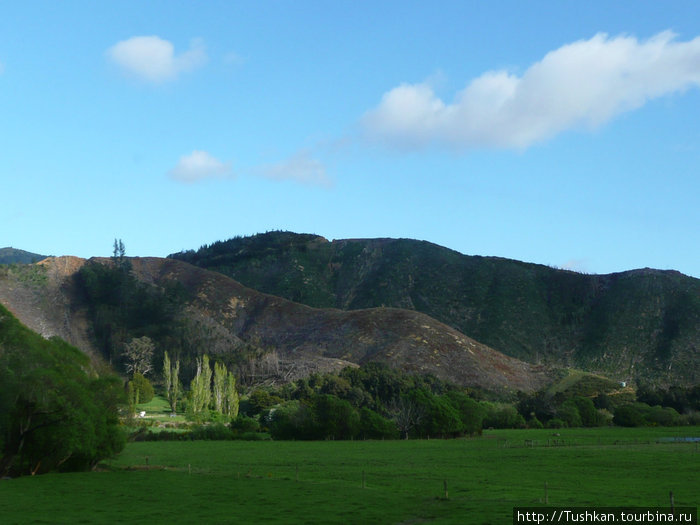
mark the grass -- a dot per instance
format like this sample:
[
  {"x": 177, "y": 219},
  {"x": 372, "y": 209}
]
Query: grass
[
  {"x": 321, "y": 482},
  {"x": 158, "y": 411},
  {"x": 578, "y": 382}
]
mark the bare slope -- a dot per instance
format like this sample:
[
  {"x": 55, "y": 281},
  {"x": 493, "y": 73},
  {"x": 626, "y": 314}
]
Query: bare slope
[
  {"x": 42, "y": 296},
  {"x": 402, "y": 338},
  {"x": 331, "y": 338}
]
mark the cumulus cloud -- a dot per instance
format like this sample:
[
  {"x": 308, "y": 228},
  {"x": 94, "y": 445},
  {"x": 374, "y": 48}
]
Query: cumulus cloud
[
  {"x": 300, "y": 167},
  {"x": 200, "y": 165},
  {"x": 580, "y": 85},
  {"x": 153, "y": 59}
]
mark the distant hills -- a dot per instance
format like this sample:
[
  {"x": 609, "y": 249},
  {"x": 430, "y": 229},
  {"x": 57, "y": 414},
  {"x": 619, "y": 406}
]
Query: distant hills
[
  {"x": 283, "y": 305},
  {"x": 635, "y": 325},
  {"x": 14, "y": 256}
]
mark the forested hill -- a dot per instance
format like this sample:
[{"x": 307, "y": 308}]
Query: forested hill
[
  {"x": 13, "y": 255},
  {"x": 637, "y": 324}
]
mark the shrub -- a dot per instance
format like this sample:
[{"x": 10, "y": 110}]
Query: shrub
[
  {"x": 260, "y": 400},
  {"x": 602, "y": 401},
  {"x": 471, "y": 412},
  {"x": 693, "y": 418},
  {"x": 215, "y": 432},
  {"x": 641, "y": 414},
  {"x": 254, "y": 436},
  {"x": 291, "y": 420},
  {"x": 374, "y": 426},
  {"x": 630, "y": 415},
  {"x": 663, "y": 416},
  {"x": 569, "y": 413},
  {"x": 141, "y": 389},
  {"x": 504, "y": 417},
  {"x": 244, "y": 424},
  {"x": 587, "y": 411},
  {"x": 335, "y": 418},
  {"x": 534, "y": 423}
]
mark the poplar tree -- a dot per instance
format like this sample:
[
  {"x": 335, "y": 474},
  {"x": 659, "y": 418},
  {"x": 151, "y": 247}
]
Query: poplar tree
[
  {"x": 200, "y": 387},
  {"x": 220, "y": 376},
  {"x": 172, "y": 381},
  {"x": 231, "y": 396}
]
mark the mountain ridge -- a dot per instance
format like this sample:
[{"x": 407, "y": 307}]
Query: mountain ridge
[
  {"x": 231, "y": 318},
  {"x": 637, "y": 324},
  {"x": 9, "y": 255}
]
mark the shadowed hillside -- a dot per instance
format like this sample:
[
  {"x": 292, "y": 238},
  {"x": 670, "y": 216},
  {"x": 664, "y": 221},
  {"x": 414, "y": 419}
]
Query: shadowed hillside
[
  {"x": 15, "y": 256},
  {"x": 641, "y": 323}
]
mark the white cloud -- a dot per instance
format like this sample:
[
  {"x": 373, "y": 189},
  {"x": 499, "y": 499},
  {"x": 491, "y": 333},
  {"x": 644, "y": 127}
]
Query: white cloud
[
  {"x": 583, "y": 84},
  {"x": 153, "y": 59},
  {"x": 200, "y": 165},
  {"x": 300, "y": 167}
]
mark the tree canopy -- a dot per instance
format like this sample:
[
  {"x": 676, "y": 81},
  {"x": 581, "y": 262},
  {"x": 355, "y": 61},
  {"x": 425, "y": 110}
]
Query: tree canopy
[{"x": 55, "y": 412}]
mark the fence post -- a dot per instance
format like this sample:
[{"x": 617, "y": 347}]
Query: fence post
[{"x": 673, "y": 506}]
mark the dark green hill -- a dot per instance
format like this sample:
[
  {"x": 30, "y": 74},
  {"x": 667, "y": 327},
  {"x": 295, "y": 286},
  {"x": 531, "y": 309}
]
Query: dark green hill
[
  {"x": 637, "y": 324},
  {"x": 14, "y": 256}
]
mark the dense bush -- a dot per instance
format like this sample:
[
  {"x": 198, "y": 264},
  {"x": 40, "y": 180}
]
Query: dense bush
[
  {"x": 215, "y": 432},
  {"x": 244, "y": 424},
  {"x": 291, "y": 420},
  {"x": 327, "y": 417},
  {"x": 682, "y": 399},
  {"x": 140, "y": 389},
  {"x": 641, "y": 414},
  {"x": 258, "y": 401},
  {"x": 502, "y": 417},
  {"x": 55, "y": 414},
  {"x": 534, "y": 423},
  {"x": 569, "y": 413},
  {"x": 374, "y": 426},
  {"x": 471, "y": 412}
]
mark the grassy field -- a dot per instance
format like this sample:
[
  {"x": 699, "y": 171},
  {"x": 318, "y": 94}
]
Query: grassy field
[{"x": 404, "y": 481}]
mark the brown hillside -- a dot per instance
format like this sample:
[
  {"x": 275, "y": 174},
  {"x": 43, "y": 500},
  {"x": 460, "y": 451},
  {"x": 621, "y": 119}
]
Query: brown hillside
[
  {"x": 44, "y": 297},
  {"x": 401, "y": 338}
]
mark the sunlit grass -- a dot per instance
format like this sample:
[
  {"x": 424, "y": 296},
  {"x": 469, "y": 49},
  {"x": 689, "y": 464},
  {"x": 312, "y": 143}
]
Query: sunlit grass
[{"x": 404, "y": 481}]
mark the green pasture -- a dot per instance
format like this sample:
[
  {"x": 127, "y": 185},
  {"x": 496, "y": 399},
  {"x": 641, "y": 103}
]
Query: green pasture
[
  {"x": 158, "y": 416},
  {"x": 367, "y": 481}
]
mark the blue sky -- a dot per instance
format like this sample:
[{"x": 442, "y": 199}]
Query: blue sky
[{"x": 563, "y": 133}]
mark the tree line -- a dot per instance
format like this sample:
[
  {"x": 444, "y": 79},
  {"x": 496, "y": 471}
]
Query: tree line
[{"x": 375, "y": 401}]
